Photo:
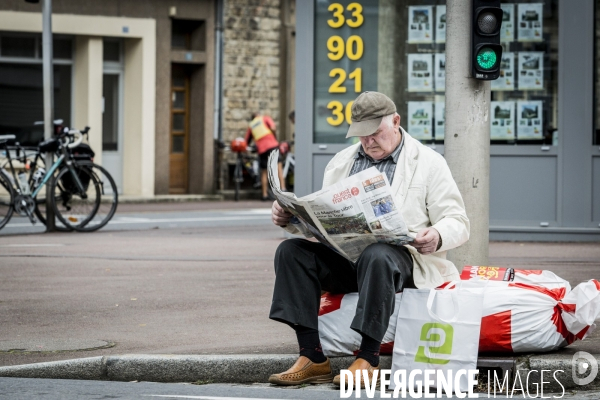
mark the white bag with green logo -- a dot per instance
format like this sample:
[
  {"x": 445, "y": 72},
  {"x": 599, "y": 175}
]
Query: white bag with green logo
[{"x": 438, "y": 329}]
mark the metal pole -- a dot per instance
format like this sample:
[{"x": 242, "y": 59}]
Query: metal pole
[
  {"x": 467, "y": 138},
  {"x": 48, "y": 73}
]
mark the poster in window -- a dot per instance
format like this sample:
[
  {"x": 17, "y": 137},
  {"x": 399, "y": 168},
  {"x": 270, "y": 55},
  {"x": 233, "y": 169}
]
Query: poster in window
[
  {"x": 420, "y": 24},
  {"x": 502, "y": 120},
  {"x": 420, "y": 119},
  {"x": 440, "y": 24},
  {"x": 530, "y": 22},
  {"x": 529, "y": 120},
  {"x": 506, "y": 81},
  {"x": 531, "y": 70},
  {"x": 507, "y": 33},
  {"x": 440, "y": 120},
  {"x": 420, "y": 73},
  {"x": 440, "y": 72}
]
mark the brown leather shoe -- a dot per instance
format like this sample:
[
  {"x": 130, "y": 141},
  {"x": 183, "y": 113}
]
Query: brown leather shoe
[
  {"x": 304, "y": 371},
  {"x": 359, "y": 363}
]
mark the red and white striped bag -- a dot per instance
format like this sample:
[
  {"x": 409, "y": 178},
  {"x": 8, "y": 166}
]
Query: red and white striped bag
[
  {"x": 335, "y": 316},
  {"x": 533, "y": 310}
]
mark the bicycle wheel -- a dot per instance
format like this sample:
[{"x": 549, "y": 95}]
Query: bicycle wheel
[
  {"x": 237, "y": 178},
  {"x": 109, "y": 197},
  {"x": 73, "y": 208},
  {"x": 6, "y": 199}
]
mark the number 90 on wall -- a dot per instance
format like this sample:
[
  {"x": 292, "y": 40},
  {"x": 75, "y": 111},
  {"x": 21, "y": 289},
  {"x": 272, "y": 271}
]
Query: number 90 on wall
[{"x": 339, "y": 113}]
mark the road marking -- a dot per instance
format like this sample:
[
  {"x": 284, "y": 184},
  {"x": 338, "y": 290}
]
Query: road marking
[
  {"x": 33, "y": 245},
  {"x": 130, "y": 220},
  {"x": 202, "y": 219},
  {"x": 205, "y": 397}
]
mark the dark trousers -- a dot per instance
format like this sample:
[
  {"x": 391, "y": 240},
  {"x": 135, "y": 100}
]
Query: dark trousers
[{"x": 304, "y": 268}]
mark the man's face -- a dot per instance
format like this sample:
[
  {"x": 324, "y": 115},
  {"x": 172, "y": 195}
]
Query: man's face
[{"x": 384, "y": 141}]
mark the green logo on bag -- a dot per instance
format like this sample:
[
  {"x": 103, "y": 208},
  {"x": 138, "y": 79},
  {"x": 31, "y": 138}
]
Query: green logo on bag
[{"x": 437, "y": 340}]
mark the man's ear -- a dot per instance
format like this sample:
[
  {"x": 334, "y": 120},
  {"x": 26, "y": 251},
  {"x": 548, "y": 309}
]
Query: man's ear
[{"x": 397, "y": 120}]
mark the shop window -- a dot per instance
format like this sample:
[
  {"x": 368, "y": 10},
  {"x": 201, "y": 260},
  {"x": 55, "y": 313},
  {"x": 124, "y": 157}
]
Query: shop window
[
  {"x": 21, "y": 84},
  {"x": 111, "y": 50},
  {"x": 20, "y": 45},
  {"x": 22, "y": 102},
  {"x": 364, "y": 47},
  {"x": 17, "y": 46},
  {"x": 188, "y": 35}
]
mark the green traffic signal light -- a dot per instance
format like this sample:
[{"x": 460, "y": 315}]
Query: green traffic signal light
[{"x": 486, "y": 58}]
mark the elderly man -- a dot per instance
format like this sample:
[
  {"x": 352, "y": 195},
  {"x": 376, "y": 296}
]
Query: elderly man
[{"x": 433, "y": 209}]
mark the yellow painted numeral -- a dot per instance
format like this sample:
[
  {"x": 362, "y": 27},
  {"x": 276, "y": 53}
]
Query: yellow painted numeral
[
  {"x": 337, "y": 111},
  {"x": 338, "y": 12},
  {"x": 340, "y": 113},
  {"x": 335, "y": 45},
  {"x": 349, "y": 112},
  {"x": 357, "y": 13},
  {"x": 336, "y": 87},
  {"x": 354, "y": 54},
  {"x": 354, "y": 48},
  {"x": 357, "y": 76}
]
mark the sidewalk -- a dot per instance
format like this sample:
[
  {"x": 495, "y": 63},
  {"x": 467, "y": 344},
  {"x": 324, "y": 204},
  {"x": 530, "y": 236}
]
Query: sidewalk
[{"x": 186, "y": 304}]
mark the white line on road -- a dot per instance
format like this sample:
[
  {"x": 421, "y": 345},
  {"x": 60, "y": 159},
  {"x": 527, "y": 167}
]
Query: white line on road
[
  {"x": 205, "y": 397},
  {"x": 33, "y": 245},
  {"x": 203, "y": 219},
  {"x": 130, "y": 220}
]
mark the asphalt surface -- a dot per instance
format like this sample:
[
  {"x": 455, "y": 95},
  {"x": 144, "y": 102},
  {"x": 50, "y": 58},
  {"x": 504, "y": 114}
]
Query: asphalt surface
[
  {"x": 163, "y": 215},
  {"x": 52, "y": 389},
  {"x": 179, "y": 278}
]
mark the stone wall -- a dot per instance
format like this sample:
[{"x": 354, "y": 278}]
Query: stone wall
[{"x": 251, "y": 63}]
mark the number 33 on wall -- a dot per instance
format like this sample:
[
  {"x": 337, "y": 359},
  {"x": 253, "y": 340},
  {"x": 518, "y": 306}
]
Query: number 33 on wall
[{"x": 338, "y": 14}]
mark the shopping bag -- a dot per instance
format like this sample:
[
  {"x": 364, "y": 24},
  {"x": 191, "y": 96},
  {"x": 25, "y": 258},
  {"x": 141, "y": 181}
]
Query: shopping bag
[
  {"x": 335, "y": 316},
  {"x": 532, "y": 310},
  {"x": 438, "y": 329}
]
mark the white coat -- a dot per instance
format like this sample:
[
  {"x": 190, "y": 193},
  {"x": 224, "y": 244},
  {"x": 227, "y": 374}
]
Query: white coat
[{"x": 426, "y": 195}]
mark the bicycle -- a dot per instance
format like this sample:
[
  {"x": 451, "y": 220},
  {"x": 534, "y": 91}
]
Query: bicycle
[{"x": 84, "y": 195}]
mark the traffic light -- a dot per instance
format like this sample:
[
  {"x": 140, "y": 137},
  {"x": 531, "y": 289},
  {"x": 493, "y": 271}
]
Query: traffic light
[{"x": 486, "y": 51}]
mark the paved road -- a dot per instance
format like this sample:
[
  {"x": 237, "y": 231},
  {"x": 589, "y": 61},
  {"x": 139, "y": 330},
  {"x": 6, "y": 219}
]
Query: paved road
[
  {"x": 49, "y": 389},
  {"x": 161, "y": 216}
]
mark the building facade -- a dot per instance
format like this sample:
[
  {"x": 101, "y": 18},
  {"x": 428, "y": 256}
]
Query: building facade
[
  {"x": 544, "y": 113},
  {"x": 159, "y": 82}
]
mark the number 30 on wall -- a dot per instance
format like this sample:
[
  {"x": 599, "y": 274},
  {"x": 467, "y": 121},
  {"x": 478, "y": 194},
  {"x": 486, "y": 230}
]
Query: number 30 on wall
[{"x": 337, "y": 109}]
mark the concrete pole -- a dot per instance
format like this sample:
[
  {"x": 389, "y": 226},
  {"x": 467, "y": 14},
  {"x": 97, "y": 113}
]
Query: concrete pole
[
  {"x": 467, "y": 138},
  {"x": 48, "y": 78}
]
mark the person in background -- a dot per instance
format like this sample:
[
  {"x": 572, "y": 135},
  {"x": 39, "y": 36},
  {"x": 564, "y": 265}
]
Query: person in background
[{"x": 262, "y": 130}]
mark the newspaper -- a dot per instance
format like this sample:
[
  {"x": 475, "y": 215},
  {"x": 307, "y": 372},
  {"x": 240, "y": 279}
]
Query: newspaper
[{"x": 347, "y": 216}]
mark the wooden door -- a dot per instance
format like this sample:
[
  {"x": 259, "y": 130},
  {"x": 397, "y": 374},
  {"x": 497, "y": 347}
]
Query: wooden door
[{"x": 179, "y": 131}]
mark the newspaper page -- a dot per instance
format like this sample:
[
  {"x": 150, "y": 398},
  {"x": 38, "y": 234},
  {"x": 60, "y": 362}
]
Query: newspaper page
[{"x": 347, "y": 216}]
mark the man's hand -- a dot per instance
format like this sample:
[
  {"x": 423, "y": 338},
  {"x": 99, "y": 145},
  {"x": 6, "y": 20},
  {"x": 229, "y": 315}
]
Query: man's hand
[
  {"x": 279, "y": 216},
  {"x": 426, "y": 241}
]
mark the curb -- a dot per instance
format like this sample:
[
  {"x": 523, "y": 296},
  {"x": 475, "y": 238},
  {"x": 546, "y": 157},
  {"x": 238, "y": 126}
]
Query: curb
[
  {"x": 170, "y": 368},
  {"x": 258, "y": 368}
]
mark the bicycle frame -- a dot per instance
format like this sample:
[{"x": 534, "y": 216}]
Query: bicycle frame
[{"x": 49, "y": 174}]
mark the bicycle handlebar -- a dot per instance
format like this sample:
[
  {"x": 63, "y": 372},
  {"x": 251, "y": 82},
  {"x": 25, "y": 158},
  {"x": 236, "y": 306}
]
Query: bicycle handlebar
[{"x": 73, "y": 133}]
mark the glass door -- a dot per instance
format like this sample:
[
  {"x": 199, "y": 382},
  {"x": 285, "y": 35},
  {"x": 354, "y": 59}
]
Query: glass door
[{"x": 112, "y": 142}]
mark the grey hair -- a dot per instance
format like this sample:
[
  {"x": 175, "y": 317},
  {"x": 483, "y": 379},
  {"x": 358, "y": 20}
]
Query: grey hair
[{"x": 388, "y": 121}]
